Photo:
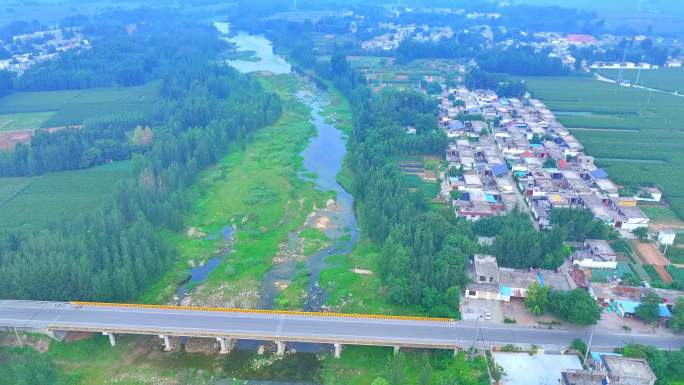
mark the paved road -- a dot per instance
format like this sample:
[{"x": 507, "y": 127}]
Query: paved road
[{"x": 305, "y": 328}]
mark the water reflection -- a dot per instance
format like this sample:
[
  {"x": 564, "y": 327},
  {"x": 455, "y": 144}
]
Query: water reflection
[{"x": 269, "y": 61}]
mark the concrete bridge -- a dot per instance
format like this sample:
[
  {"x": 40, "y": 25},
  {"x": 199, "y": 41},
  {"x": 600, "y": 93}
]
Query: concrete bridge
[{"x": 229, "y": 325}]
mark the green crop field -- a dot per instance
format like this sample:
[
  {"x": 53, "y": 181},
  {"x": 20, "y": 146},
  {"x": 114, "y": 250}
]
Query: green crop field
[
  {"x": 668, "y": 79},
  {"x": 36, "y": 101},
  {"x": 23, "y": 121},
  {"x": 41, "y": 198},
  {"x": 635, "y": 134},
  {"x": 60, "y": 108},
  {"x": 9, "y": 187}
]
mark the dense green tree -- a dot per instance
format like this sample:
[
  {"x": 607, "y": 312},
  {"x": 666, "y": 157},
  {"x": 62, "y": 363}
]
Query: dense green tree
[
  {"x": 537, "y": 300},
  {"x": 641, "y": 233},
  {"x": 581, "y": 224},
  {"x": 648, "y": 310},
  {"x": 580, "y": 346},
  {"x": 668, "y": 366},
  {"x": 113, "y": 252},
  {"x": 575, "y": 306},
  {"x": 676, "y": 323}
]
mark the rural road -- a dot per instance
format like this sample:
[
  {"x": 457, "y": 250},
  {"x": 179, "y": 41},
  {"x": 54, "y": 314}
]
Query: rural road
[{"x": 31, "y": 315}]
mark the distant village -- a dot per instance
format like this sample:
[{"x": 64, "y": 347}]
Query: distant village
[
  {"x": 27, "y": 50},
  {"x": 526, "y": 151},
  {"x": 557, "y": 45}
]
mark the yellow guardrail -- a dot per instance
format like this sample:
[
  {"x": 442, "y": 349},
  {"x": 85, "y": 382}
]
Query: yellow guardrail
[{"x": 257, "y": 311}]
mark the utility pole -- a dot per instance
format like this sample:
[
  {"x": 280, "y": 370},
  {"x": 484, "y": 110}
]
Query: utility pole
[
  {"x": 21, "y": 344},
  {"x": 591, "y": 336},
  {"x": 636, "y": 82}
]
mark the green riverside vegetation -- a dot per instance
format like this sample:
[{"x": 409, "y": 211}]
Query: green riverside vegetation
[{"x": 267, "y": 201}]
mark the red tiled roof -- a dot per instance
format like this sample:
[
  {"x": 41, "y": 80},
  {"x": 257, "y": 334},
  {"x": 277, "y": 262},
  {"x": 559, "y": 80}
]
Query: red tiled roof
[{"x": 580, "y": 38}]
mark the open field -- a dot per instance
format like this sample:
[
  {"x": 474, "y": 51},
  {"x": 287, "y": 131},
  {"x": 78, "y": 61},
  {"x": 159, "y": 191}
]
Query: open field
[
  {"x": 25, "y": 110},
  {"x": 641, "y": 141},
  {"x": 256, "y": 188},
  {"x": 666, "y": 79},
  {"x": 38, "y": 199},
  {"x": 420, "y": 173},
  {"x": 384, "y": 72},
  {"x": 23, "y": 121},
  {"x": 660, "y": 214}
]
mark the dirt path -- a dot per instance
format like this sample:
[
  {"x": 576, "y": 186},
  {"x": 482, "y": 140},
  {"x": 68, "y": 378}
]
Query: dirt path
[{"x": 655, "y": 227}]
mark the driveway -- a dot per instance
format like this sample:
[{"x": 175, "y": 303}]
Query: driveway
[{"x": 471, "y": 309}]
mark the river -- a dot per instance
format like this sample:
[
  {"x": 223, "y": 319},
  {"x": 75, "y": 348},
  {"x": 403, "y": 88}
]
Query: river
[{"x": 323, "y": 158}]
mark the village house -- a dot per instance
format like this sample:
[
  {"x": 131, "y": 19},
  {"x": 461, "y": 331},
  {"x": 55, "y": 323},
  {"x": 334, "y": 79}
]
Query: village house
[
  {"x": 613, "y": 370},
  {"x": 624, "y": 300},
  {"x": 595, "y": 254},
  {"x": 491, "y": 282},
  {"x": 530, "y": 148}
]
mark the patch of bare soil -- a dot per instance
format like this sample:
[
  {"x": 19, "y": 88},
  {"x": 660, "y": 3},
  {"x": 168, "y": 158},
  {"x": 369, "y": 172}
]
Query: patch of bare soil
[
  {"x": 204, "y": 345},
  {"x": 290, "y": 250},
  {"x": 78, "y": 336},
  {"x": 361, "y": 271},
  {"x": 242, "y": 294},
  {"x": 8, "y": 139},
  {"x": 649, "y": 253},
  {"x": 38, "y": 343},
  {"x": 195, "y": 232},
  {"x": 663, "y": 273}
]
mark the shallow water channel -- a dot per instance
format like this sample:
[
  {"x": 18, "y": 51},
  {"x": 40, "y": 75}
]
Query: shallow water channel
[{"x": 322, "y": 157}]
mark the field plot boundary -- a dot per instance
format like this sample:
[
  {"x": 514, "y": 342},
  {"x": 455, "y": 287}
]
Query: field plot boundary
[{"x": 16, "y": 193}]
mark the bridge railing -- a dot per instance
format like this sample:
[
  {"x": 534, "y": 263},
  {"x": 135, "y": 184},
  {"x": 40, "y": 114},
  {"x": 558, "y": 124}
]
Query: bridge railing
[{"x": 258, "y": 311}]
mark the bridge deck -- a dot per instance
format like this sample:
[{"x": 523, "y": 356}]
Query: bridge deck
[
  {"x": 245, "y": 325},
  {"x": 304, "y": 327}
]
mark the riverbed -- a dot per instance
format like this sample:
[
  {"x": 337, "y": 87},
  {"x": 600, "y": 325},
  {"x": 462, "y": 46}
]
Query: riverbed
[{"x": 322, "y": 161}]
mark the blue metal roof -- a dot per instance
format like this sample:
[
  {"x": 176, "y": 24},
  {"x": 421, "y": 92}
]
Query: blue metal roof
[
  {"x": 596, "y": 356},
  {"x": 630, "y": 307},
  {"x": 456, "y": 125},
  {"x": 499, "y": 169},
  {"x": 599, "y": 173}
]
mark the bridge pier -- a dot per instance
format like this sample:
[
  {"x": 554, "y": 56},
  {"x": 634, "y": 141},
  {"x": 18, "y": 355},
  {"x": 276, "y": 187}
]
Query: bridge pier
[
  {"x": 396, "y": 350},
  {"x": 167, "y": 343},
  {"x": 338, "y": 350},
  {"x": 455, "y": 351},
  {"x": 226, "y": 344},
  {"x": 281, "y": 348},
  {"x": 112, "y": 337}
]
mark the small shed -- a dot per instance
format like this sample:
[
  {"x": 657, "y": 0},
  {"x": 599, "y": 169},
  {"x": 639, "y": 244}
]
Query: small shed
[{"x": 666, "y": 237}]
